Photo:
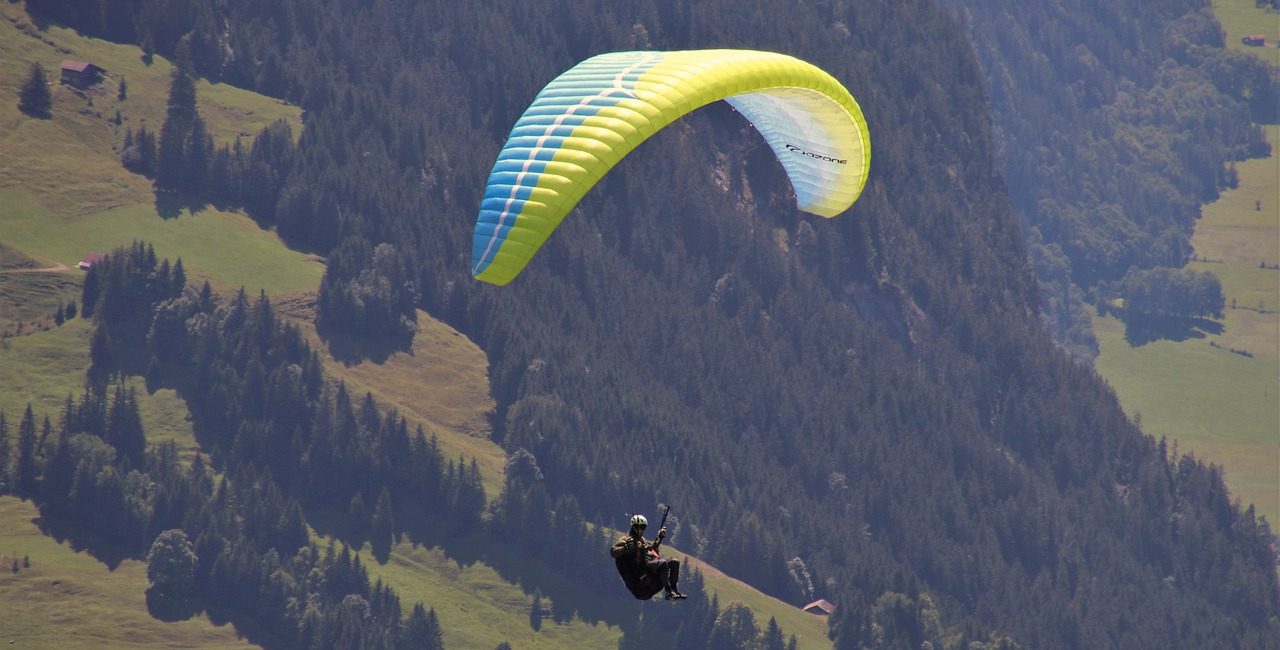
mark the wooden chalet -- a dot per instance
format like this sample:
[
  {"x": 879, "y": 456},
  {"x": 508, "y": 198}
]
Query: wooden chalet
[
  {"x": 80, "y": 74},
  {"x": 821, "y": 607},
  {"x": 89, "y": 260}
]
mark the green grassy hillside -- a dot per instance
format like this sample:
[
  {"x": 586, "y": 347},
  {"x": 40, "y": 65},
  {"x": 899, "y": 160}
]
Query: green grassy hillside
[
  {"x": 1223, "y": 406},
  {"x": 68, "y": 599},
  {"x": 63, "y": 193}
]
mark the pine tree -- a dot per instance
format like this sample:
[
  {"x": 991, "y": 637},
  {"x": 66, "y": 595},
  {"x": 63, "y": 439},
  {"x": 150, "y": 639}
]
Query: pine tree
[
  {"x": 34, "y": 99},
  {"x": 357, "y": 512},
  {"x": 421, "y": 630},
  {"x": 24, "y": 472},
  {"x": 291, "y": 532},
  {"x": 56, "y": 480},
  {"x": 773, "y": 636},
  {"x": 535, "y": 611},
  {"x": 148, "y": 157},
  {"x": 169, "y": 155},
  {"x": 124, "y": 426},
  {"x": 90, "y": 291},
  {"x": 178, "y": 279},
  {"x": 182, "y": 94},
  {"x": 198, "y": 153},
  {"x": 172, "y": 165},
  {"x": 383, "y": 533}
]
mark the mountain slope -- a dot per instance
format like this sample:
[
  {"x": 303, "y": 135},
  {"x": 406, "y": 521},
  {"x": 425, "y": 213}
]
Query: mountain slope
[
  {"x": 440, "y": 383},
  {"x": 869, "y": 410}
]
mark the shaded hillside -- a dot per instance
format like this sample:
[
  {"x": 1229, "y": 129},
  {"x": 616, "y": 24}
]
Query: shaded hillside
[
  {"x": 1115, "y": 122},
  {"x": 865, "y": 409}
]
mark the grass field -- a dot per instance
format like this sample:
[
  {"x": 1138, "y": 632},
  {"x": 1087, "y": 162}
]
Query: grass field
[
  {"x": 486, "y": 609},
  {"x": 30, "y": 298},
  {"x": 11, "y": 259},
  {"x": 480, "y": 608},
  {"x": 1241, "y": 18},
  {"x": 41, "y": 369},
  {"x": 1224, "y": 407},
  {"x": 67, "y": 599},
  {"x": 68, "y": 162},
  {"x": 63, "y": 192},
  {"x": 228, "y": 249}
]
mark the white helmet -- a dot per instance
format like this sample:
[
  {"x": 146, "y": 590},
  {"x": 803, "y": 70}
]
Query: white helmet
[{"x": 639, "y": 520}]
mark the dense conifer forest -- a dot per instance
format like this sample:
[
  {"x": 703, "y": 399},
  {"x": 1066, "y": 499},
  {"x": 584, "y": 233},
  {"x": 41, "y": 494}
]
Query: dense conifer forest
[{"x": 866, "y": 409}]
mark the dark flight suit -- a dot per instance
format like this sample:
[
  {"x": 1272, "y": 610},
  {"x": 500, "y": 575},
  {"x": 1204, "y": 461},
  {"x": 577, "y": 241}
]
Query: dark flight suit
[{"x": 642, "y": 569}]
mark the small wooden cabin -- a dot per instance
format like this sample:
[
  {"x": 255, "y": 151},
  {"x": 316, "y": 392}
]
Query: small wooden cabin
[
  {"x": 90, "y": 260},
  {"x": 821, "y": 607},
  {"x": 80, "y": 74}
]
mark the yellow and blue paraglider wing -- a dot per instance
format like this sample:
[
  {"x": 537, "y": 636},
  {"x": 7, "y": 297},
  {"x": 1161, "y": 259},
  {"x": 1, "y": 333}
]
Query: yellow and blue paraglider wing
[{"x": 587, "y": 119}]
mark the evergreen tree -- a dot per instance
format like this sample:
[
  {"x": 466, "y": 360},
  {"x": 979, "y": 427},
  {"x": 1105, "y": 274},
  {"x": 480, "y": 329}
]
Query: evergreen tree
[
  {"x": 178, "y": 278},
  {"x": 535, "y": 611},
  {"x": 735, "y": 629},
  {"x": 58, "y": 475},
  {"x": 468, "y": 498},
  {"x": 138, "y": 154},
  {"x": 182, "y": 94},
  {"x": 124, "y": 426},
  {"x": 197, "y": 154},
  {"x": 292, "y": 529},
  {"x": 173, "y": 166},
  {"x": 34, "y": 98},
  {"x": 422, "y": 630},
  {"x": 26, "y": 469},
  {"x": 170, "y": 163},
  {"x": 383, "y": 527},
  {"x": 90, "y": 290},
  {"x": 772, "y": 639},
  {"x": 358, "y": 512}
]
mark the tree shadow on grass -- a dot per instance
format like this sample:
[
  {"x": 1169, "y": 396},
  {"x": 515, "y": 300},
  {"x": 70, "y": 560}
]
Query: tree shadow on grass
[
  {"x": 1141, "y": 331},
  {"x": 169, "y": 205},
  {"x": 350, "y": 350},
  {"x": 61, "y": 530},
  {"x": 531, "y": 572},
  {"x": 170, "y": 609},
  {"x": 245, "y": 626},
  {"x": 585, "y": 595}
]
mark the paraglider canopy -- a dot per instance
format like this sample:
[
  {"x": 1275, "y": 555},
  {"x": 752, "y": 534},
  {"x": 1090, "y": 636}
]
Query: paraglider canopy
[{"x": 594, "y": 114}]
